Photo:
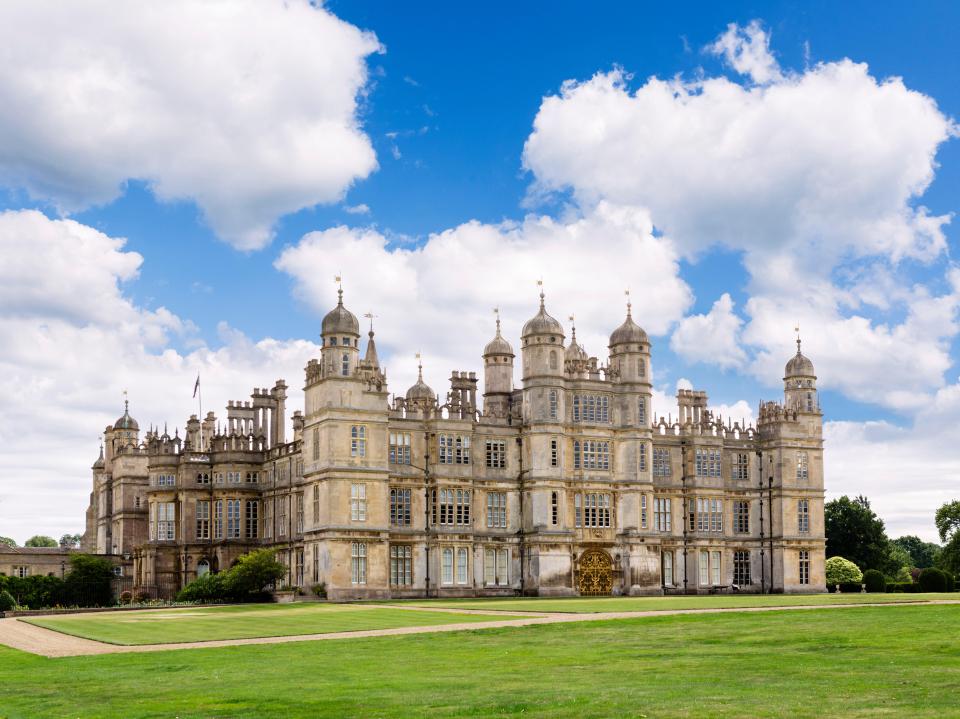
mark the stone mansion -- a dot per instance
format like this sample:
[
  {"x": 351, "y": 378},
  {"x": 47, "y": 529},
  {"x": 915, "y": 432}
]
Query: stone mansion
[{"x": 566, "y": 485}]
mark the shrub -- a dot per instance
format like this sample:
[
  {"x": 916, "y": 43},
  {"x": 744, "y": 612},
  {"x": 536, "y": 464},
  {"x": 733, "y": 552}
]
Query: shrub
[
  {"x": 840, "y": 571},
  {"x": 208, "y": 588},
  {"x": 851, "y": 587},
  {"x": 874, "y": 580},
  {"x": 126, "y": 597},
  {"x": 89, "y": 583},
  {"x": 933, "y": 580},
  {"x": 320, "y": 590},
  {"x": 7, "y": 602},
  {"x": 905, "y": 587},
  {"x": 253, "y": 573}
]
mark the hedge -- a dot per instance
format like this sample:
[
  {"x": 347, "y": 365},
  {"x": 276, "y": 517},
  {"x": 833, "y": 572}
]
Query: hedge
[
  {"x": 905, "y": 587},
  {"x": 933, "y": 580},
  {"x": 874, "y": 580}
]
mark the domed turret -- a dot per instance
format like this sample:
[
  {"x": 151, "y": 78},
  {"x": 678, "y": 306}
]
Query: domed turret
[
  {"x": 629, "y": 332},
  {"x": 541, "y": 323},
  {"x": 340, "y": 320},
  {"x": 126, "y": 422},
  {"x": 420, "y": 391},
  {"x": 800, "y": 383},
  {"x": 799, "y": 365},
  {"x": 497, "y": 375}
]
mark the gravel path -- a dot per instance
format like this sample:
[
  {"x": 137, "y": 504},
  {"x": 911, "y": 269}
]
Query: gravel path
[{"x": 45, "y": 642}]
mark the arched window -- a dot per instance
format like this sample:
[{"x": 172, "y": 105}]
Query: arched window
[
  {"x": 203, "y": 567},
  {"x": 345, "y": 365},
  {"x": 553, "y": 359},
  {"x": 553, "y": 404},
  {"x": 641, "y": 368}
]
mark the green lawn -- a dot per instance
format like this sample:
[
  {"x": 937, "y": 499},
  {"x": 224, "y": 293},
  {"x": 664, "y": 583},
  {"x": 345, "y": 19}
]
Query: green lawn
[
  {"x": 644, "y": 604},
  {"x": 240, "y": 622},
  {"x": 862, "y": 662}
]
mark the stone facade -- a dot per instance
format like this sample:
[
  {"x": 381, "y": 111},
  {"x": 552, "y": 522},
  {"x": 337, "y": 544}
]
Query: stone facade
[{"x": 567, "y": 485}]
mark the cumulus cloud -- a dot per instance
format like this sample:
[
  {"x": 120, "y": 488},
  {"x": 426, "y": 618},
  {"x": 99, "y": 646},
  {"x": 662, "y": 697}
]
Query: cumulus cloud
[
  {"x": 71, "y": 341},
  {"x": 247, "y": 108},
  {"x": 812, "y": 176},
  {"x": 713, "y": 338},
  {"x": 441, "y": 294},
  {"x": 747, "y": 50}
]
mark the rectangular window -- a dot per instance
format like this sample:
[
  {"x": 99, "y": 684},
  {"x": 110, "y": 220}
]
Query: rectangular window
[
  {"x": 661, "y": 514},
  {"x": 641, "y": 409},
  {"x": 643, "y": 511},
  {"x": 497, "y": 510},
  {"x": 554, "y": 452},
  {"x": 399, "y": 448},
  {"x": 454, "y": 506},
  {"x": 22, "y": 571},
  {"x": 401, "y": 565},
  {"x": 166, "y": 480},
  {"x": 596, "y": 509},
  {"x": 708, "y": 463},
  {"x": 345, "y": 369},
  {"x": 358, "y": 563},
  {"x": 667, "y": 562},
  {"x": 358, "y": 502},
  {"x": 803, "y": 516},
  {"x": 316, "y": 563},
  {"x": 400, "y": 506},
  {"x": 166, "y": 523},
  {"x": 741, "y": 517},
  {"x": 496, "y": 567},
  {"x": 591, "y": 454},
  {"x": 715, "y": 575},
  {"x": 578, "y": 510},
  {"x": 496, "y": 453},
  {"x": 804, "y": 566},
  {"x": 218, "y": 519},
  {"x": 704, "y": 568},
  {"x": 706, "y": 515},
  {"x": 282, "y": 517},
  {"x": 741, "y": 466},
  {"x": 358, "y": 441},
  {"x": 461, "y": 565},
  {"x": 316, "y": 443},
  {"x": 316, "y": 505},
  {"x": 454, "y": 449},
  {"x": 233, "y": 519},
  {"x": 554, "y": 508},
  {"x": 741, "y": 568},
  {"x": 252, "y": 519},
  {"x": 299, "y": 573},
  {"x": 803, "y": 467},
  {"x": 446, "y": 566},
  {"x": 233, "y": 477},
  {"x": 661, "y": 462},
  {"x": 299, "y": 500},
  {"x": 203, "y": 519},
  {"x": 643, "y": 458},
  {"x": 591, "y": 408},
  {"x": 553, "y": 404}
]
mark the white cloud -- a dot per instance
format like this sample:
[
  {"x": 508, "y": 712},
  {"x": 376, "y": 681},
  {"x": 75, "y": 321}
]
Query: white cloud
[
  {"x": 71, "y": 341},
  {"x": 825, "y": 163},
  {"x": 747, "y": 50},
  {"x": 360, "y": 209},
  {"x": 713, "y": 338},
  {"x": 248, "y": 108},
  {"x": 429, "y": 297}
]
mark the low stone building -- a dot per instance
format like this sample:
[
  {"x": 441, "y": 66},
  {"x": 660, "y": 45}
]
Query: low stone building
[{"x": 565, "y": 485}]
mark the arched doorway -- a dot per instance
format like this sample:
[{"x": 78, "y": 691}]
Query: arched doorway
[
  {"x": 594, "y": 573},
  {"x": 203, "y": 567}
]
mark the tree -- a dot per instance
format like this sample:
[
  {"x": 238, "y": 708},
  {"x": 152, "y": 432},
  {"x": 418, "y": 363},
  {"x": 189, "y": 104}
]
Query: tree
[
  {"x": 89, "y": 582},
  {"x": 854, "y": 531},
  {"x": 842, "y": 571},
  {"x": 9, "y": 542},
  {"x": 922, "y": 554},
  {"x": 40, "y": 540},
  {"x": 70, "y": 541},
  {"x": 254, "y": 572},
  {"x": 948, "y": 525}
]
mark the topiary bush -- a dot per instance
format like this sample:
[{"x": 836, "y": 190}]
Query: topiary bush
[
  {"x": 208, "y": 588},
  {"x": 7, "y": 602},
  {"x": 875, "y": 581},
  {"x": 933, "y": 580},
  {"x": 842, "y": 571}
]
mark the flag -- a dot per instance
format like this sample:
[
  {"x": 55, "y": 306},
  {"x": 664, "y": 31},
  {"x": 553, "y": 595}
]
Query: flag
[{"x": 196, "y": 387}]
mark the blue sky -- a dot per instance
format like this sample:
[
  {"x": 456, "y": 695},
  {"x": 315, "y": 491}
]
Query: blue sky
[{"x": 448, "y": 106}]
